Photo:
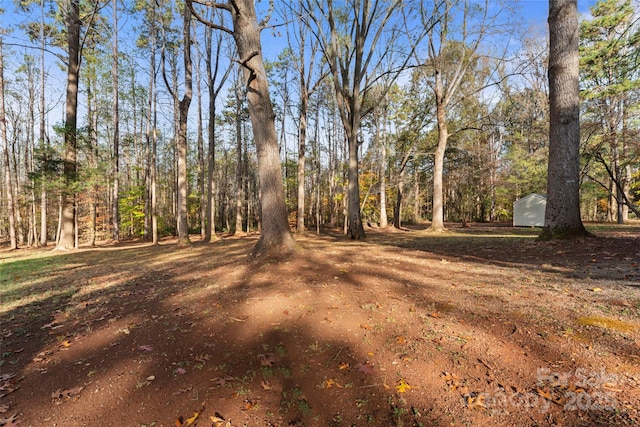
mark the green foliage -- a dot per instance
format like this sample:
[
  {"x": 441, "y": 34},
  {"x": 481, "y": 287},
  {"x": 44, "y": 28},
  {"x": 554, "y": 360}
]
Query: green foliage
[
  {"x": 610, "y": 84},
  {"x": 132, "y": 210},
  {"x": 608, "y": 50}
]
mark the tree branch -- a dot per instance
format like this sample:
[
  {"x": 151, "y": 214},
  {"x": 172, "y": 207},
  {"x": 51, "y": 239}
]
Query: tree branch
[{"x": 205, "y": 21}]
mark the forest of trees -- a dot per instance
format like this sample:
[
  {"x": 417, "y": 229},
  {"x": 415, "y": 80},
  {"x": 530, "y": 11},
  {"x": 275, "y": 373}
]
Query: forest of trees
[{"x": 130, "y": 118}]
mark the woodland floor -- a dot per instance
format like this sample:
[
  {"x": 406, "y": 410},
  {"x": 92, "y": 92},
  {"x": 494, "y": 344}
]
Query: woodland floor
[{"x": 483, "y": 326}]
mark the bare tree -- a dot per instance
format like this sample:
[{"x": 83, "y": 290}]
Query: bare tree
[
  {"x": 451, "y": 56},
  {"x": 183, "y": 113},
  {"x": 275, "y": 237},
  {"x": 115, "y": 200},
  {"x": 214, "y": 91},
  {"x": 562, "y": 216},
  {"x": 360, "y": 55},
  {"x": 239, "y": 95},
  {"x": 308, "y": 83}
]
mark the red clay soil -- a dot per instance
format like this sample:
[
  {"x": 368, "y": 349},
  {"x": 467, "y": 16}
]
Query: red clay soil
[{"x": 482, "y": 326}]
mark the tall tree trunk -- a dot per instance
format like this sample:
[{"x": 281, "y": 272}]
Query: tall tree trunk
[
  {"x": 355, "y": 228},
  {"x": 43, "y": 190},
  {"x": 67, "y": 238},
  {"x": 239, "y": 169},
  {"x": 302, "y": 141},
  {"x": 417, "y": 214},
  {"x": 181, "y": 147},
  {"x": 7, "y": 168},
  {"x": 115, "y": 207},
  {"x": 210, "y": 225},
  {"x": 17, "y": 188},
  {"x": 153, "y": 106},
  {"x": 384, "y": 220},
  {"x": 437, "y": 221},
  {"x": 562, "y": 217},
  {"x": 397, "y": 212},
  {"x": 200, "y": 143},
  {"x": 275, "y": 237},
  {"x": 212, "y": 74},
  {"x": 92, "y": 112},
  {"x": 245, "y": 181},
  {"x": 28, "y": 158}
]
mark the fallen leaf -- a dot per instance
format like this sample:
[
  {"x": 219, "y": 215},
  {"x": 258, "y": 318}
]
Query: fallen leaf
[
  {"x": 265, "y": 385},
  {"x": 182, "y": 391},
  {"x": 596, "y": 289},
  {"x": 50, "y": 325},
  {"x": 219, "y": 421},
  {"x": 343, "y": 365},
  {"x": 364, "y": 368},
  {"x": 403, "y": 386},
  {"x": 330, "y": 383},
  {"x": 544, "y": 393},
  {"x": 9, "y": 422},
  {"x": 267, "y": 360},
  {"x": 202, "y": 358},
  {"x": 452, "y": 380},
  {"x": 145, "y": 348},
  {"x": 247, "y": 404},
  {"x": 180, "y": 371},
  {"x": 146, "y": 381},
  {"x": 66, "y": 394},
  {"x": 220, "y": 381},
  {"x": 191, "y": 420},
  {"x": 476, "y": 401}
]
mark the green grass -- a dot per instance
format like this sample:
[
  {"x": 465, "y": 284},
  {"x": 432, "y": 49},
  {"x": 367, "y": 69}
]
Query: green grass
[{"x": 32, "y": 279}]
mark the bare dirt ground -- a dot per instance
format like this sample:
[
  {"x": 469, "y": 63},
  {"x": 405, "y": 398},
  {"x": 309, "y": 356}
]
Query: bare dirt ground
[{"x": 483, "y": 326}]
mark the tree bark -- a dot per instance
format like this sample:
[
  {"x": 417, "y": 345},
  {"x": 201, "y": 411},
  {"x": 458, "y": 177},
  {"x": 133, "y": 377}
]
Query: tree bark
[
  {"x": 239, "y": 169},
  {"x": 92, "y": 112},
  {"x": 43, "y": 191},
  {"x": 302, "y": 144},
  {"x": 275, "y": 237},
  {"x": 437, "y": 221},
  {"x": 67, "y": 238},
  {"x": 115, "y": 207},
  {"x": 210, "y": 226},
  {"x": 200, "y": 140},
  {"x": 562, "y": 217},
  {"x": 181, "y": 145}
]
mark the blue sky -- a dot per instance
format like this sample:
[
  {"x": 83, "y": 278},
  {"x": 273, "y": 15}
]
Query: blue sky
[{"x": 534, "y": 16}]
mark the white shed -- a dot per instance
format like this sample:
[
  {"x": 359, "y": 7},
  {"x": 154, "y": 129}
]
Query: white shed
[{"x": 529, "y": 211}]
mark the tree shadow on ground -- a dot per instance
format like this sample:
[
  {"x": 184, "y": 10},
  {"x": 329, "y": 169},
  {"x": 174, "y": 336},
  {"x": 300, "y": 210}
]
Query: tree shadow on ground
[
  {"x": 612, "y": 255},
  {"x": 325, "y": 338}
]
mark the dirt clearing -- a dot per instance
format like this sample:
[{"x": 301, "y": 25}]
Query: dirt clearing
[{"x": 478, "y": 326}]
